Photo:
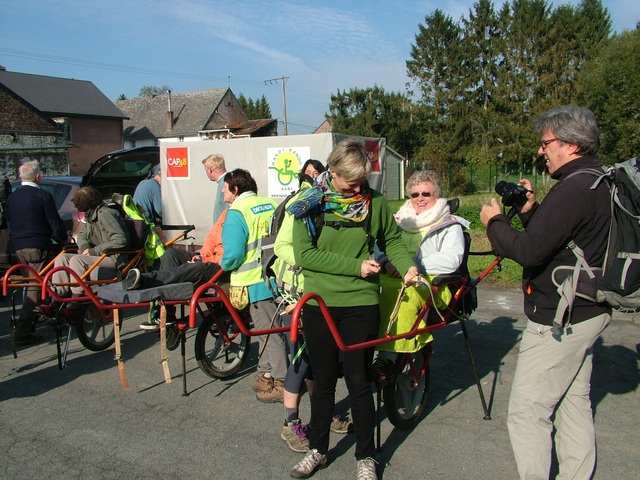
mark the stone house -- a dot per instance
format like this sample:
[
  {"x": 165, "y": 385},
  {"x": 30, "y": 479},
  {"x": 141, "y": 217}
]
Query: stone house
[
  {"x": 89, "y": 123},
  {"x": 25, "y": 133}
]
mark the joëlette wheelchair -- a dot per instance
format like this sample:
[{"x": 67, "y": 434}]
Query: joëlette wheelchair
[{"x": 94, "y": 326}]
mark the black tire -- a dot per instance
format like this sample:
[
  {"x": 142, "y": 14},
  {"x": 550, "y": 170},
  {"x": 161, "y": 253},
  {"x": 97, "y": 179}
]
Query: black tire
[
  {"x": 95, "y": 329},
  {"x": 404, "y": 398},
  {"x": 215, "y": 358}
]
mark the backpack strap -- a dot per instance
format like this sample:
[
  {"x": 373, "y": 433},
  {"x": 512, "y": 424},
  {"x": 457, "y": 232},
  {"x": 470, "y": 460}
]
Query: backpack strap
[
  {"x": 337, "y": 224},
  {"x": 569, "y": 287}
]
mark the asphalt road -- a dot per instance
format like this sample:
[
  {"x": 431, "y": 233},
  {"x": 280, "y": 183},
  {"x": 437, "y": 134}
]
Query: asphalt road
[{"x": 79, "y": 423}]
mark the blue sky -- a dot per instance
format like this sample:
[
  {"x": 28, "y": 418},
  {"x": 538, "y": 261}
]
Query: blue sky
[{"x": 319, "y": 47}]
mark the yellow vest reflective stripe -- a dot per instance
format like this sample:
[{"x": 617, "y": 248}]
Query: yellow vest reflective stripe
[
  {"x": 257, "y": 212},
  {"x": 153, "y": 246}
]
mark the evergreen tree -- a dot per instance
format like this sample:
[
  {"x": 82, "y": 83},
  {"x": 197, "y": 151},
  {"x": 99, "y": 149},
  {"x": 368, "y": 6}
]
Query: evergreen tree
[
  {"x": 611, "y": 89},
  {"x": 255, "y": 110},
  {"x": 434, "y": 70},
  {"x": 478, "y": 127},
  {"x": 372, "y": 112}
]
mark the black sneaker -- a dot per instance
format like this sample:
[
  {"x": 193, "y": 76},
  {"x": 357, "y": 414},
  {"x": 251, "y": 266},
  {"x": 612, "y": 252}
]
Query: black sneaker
[
  {"x": 132, "y": 280},
  {"x": 154, "y": 323}
]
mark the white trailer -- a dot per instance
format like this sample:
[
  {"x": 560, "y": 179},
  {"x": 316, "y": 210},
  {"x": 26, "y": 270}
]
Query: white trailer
[{"x": 274, "y": 162}]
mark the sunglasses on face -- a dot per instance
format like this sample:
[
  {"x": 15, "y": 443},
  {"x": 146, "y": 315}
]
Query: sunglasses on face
[{"x": 417, "y": 194}]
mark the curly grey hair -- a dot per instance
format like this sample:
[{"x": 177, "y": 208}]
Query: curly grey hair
[{"x": 422, "y": 176}]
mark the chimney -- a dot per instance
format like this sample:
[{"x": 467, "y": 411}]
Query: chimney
[
  {"x": 169, "y": 113},
  {"x": 169, "y": 121}
]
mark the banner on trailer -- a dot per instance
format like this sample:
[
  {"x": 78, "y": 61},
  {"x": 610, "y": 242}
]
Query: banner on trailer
[{"x": 284, "y": 165}]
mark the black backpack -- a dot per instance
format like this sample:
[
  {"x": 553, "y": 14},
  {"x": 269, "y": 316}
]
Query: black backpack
[{"x": 618, "y": 281}]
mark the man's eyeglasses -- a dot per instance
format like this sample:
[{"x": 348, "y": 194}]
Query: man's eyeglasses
[
  {"x": 417, "y": 194},
  {"x": 545, "y": 143}
]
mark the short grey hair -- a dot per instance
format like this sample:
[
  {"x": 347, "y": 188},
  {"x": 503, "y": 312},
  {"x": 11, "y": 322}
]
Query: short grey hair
[
  {"x": 29, "y": 170},
  {"x": 421, "y": 176},
  {"x": 571, "y": 124}
]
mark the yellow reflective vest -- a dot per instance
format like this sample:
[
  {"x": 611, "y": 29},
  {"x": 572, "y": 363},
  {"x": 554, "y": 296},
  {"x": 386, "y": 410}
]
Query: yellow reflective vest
[{"x": 257, "y": 212}]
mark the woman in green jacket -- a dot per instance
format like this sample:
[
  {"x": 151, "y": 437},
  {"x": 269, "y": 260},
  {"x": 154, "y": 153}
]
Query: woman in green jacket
[{"x": 337, "y": 222}]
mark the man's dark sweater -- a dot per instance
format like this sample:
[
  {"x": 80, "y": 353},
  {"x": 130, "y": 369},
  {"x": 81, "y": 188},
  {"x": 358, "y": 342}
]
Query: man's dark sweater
[{"x": 33, "y": 219}]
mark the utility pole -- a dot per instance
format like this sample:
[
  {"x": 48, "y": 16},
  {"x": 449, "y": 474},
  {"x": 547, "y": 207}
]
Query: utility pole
[{"x": 282, "y": 79}]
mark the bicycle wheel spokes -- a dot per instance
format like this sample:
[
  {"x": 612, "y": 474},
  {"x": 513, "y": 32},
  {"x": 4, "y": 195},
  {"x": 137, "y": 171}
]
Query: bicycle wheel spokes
[
  {"x": 95, "y": 329},
  {"x": 406, "y": 396},
  {"x": 219, "y": 354}
]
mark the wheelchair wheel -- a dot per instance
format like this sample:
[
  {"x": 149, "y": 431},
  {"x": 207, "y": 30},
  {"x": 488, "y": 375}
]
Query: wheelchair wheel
[
  {"x": 214, "y": 357},
  {"x": 95, "y": 329},
  {"x": 406, "y": 396}
]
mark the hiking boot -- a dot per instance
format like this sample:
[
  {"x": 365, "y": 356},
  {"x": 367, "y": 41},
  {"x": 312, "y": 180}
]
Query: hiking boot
[
  {"x": 340, "y": 425},
  {"x": 275, "y": 394},
  {"x": 132, "y": 280},
  {"x": 262, "y": 384},
  {"x": 311, "y": 462},
  {"x": 367, "y": 469},
  {"x": 295, "y": 436}
]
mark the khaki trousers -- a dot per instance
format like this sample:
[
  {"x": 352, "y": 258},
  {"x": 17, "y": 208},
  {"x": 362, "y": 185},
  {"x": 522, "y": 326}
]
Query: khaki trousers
[{"x": 551, "y": 389}]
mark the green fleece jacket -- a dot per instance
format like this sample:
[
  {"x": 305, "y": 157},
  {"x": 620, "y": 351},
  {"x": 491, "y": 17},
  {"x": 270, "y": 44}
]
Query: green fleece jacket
[{"x": 332, "y": 268}]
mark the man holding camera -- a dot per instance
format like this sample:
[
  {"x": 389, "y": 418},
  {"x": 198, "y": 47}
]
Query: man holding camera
[{"x": 552, "y": 379}]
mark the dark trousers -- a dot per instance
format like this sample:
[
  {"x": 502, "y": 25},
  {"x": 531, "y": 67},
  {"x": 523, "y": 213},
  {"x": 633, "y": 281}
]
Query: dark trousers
[
  {"x": 355, "y": 324},
  {"x": 36, "y": 259},
  {"x": 197, "y": 273}
]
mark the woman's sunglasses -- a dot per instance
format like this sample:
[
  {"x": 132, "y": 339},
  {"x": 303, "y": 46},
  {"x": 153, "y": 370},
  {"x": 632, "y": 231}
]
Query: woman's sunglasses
[{"x": 417, "y": 194}]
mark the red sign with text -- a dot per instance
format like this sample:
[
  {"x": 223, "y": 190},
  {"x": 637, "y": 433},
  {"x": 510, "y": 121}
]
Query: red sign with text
[
  {"x": 373, "y": 150},
  {"x": 178, "y": 162}
]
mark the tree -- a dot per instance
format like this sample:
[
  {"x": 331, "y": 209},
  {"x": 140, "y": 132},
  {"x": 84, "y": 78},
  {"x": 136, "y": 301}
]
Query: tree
[
  {"x": 372, "y": 112},
  {"x": 611, "y": 89},
  {"x": 523, "y": 75},
  {"x": 478, "y": 86},
  {"x": 255, "y": 110},
  {"x": 122, "y": 96},
  {"x": 434, "y": 69},
  {"x": 149, "y": 90}
]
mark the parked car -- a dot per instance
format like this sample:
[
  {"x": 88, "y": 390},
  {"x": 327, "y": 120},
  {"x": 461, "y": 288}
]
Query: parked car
[{"x": 116, "y": 172}]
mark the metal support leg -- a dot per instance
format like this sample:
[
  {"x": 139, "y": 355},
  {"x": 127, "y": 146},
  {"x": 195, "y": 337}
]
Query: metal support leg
[
  {"x": 487, "y": 415},
  {"x": 183, "y": 342}
]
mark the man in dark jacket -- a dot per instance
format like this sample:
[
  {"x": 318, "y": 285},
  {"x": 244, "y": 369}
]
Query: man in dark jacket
[
  {"x": 552, "y": 379},
  {"x": 33, "y": 222}
]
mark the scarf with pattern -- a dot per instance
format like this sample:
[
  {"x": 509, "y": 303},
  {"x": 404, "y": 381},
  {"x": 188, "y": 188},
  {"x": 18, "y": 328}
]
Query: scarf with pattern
[{"x": 322, "y": 198}]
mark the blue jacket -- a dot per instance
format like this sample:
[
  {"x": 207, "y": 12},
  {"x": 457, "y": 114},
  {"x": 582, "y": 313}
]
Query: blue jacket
[
  {"x": 33, "y": 219},
  {"x": 235, "y": 236},
  {"x": 148, "y": 196}
]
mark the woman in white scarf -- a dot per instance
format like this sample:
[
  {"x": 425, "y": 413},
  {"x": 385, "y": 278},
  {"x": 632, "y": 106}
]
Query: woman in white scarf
[{"x": 436, "y": 238}]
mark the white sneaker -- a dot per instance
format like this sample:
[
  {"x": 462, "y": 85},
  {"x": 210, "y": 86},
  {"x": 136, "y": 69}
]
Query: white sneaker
[
  {"x": 367, "y": 469},
  {"x": 311, "y": 462}
]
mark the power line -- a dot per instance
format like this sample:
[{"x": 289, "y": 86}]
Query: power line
[
  {"x": 282, "y": 79},
  {"x": 142, "y": 70}
]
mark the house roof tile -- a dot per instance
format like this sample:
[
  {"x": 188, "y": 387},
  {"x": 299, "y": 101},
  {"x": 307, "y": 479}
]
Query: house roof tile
[
  {"x": 191, "y": 113},
  {"x": 61, "y": 96}
]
